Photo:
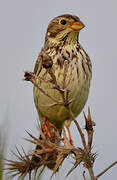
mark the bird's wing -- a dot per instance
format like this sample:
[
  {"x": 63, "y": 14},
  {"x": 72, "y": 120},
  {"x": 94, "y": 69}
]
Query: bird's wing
[
  {"x": 38, "y": 65},
  {"x": 88, "y": 61},
  {"x": 43, "y": 61}
]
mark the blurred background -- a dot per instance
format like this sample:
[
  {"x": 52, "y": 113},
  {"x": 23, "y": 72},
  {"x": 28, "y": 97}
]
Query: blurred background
[{"x": 23, "y": 26}]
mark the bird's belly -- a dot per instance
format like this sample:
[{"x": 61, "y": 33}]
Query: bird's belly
[{"x": 57, "y": 114}]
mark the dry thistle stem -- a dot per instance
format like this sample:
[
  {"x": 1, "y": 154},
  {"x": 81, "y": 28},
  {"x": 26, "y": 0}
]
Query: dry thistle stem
[
  {"x": 43, "y": 156},
  {"x": 58, "y": 149}
]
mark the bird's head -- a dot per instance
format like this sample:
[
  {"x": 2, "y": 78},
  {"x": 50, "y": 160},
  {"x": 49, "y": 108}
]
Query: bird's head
[{"x": 64, "y": 27}]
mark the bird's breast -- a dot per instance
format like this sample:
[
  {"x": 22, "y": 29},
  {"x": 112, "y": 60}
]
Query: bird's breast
[{"x": 72, "y": 73}]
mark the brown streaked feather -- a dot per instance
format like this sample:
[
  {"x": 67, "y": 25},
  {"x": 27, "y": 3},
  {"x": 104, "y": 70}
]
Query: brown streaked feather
[
  {"x": 69, "y": 16},
  {"x": 38, "y": 65}
]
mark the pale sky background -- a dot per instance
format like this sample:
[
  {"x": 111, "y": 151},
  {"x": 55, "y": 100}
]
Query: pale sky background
[{"x": 23, "y": 25}]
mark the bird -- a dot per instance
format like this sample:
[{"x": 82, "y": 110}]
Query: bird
[
  {"x": 62, "y": 44},
  {"x": 62, "y": 49}
]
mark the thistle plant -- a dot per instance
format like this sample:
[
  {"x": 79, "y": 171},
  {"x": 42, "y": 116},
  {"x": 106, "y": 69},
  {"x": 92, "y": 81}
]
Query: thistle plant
[{"x": 57, "y": 147}]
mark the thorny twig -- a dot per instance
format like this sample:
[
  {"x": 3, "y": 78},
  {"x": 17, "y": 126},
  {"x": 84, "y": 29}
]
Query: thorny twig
[
  {"x": 26, "y": 165},
  {"x": 32, "y": 78},
  {"x": 84, "y": 175},
  {"x": 89, "y": 128},
  {"x": 79, "y": 129},
  {"x": 105, "y": 170}
]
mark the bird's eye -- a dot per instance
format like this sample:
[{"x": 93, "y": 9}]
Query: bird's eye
[{"x": 63, "y": 21}]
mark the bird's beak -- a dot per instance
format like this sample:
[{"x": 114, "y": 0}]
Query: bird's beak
[{"x": 77, "y": 26}]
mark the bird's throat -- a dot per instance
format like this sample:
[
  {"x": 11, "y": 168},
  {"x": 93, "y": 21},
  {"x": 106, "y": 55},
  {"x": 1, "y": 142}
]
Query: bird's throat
[
  {"x": 70, "y": 38},
  {"x": 73, "y": 37}
]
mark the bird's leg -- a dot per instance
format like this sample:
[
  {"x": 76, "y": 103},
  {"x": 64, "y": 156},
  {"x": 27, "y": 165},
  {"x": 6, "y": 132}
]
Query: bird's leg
[
  {"x": 70, "y": 137},
  {"x": 45, "y": 127},
  {"x": 51, "y": 125}
]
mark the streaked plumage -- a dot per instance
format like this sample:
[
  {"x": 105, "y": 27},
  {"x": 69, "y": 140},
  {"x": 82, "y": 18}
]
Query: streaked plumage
[{"x": 62, "y": 45}]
